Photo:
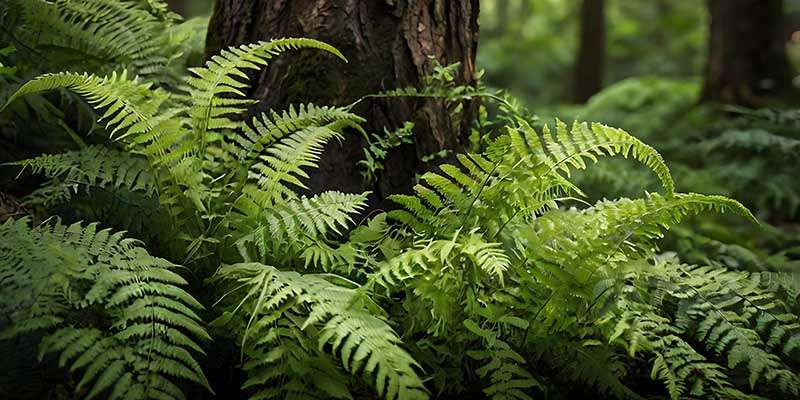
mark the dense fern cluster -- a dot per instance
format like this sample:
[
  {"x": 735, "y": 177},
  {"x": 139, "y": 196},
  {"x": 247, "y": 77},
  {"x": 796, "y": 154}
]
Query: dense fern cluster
[
  {"x": 493, "y": 276},
  {"x": 111, "y": 310},
  {"x": 133, "y": 33}
]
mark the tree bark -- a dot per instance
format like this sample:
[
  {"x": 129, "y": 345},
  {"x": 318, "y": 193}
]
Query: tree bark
[
  {"x": 590, "y": 61},
  {"x": 747, "y": 56},
  {"x": 389, "y": 44},
  {"x": 179, "y": 6}
]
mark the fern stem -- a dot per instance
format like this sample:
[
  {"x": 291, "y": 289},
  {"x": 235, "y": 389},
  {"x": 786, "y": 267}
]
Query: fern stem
[{"x": 72, "y": 134}]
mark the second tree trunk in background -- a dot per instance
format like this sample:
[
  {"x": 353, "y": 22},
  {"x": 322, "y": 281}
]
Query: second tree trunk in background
[
  {"x": 747, "y": 56},
  {"x": 590, "y": 60}
]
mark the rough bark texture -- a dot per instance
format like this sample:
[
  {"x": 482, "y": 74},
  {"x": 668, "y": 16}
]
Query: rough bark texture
[
  {"x": 747, "y": 56},
  {"x": 590, "y": 62},
  {"x": 388, "y": 44}
]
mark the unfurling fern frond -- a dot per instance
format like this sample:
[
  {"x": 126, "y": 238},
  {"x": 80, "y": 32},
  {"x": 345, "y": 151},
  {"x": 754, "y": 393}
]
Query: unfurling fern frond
[
  {"x": 278, "y": 304},
  {"x": 106, "y": 307}
]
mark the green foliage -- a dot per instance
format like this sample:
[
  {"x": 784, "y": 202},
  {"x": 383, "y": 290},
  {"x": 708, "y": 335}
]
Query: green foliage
[
  {"x": 168, "y": 145},
  {"x": 735, "y": 152},
  {"x": 107, "y": 308},
  {"x": 95, "y": 35},
  {"x": 95, "y": 166},
  {"x": 377, "y": 150},
  {"x": 125, "y": 102},
  {"x": 645, "y": 105},
  {"x": 529, "y": 46},
  {"x": 494, "y": 275},
  {"x": 286, "y": 305},
  {"x": 737, "y": 318}
]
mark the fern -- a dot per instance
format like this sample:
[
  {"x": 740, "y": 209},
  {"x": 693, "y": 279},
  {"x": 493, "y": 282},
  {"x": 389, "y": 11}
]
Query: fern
[
  {"x": 95, "y": 166},
  {"x": 283, "y": 164},
  {"x": 280, "y": 303},
  {"x": 734, "y": 316},
  {"x": 223, "y": 75},
  {"x": 108, "y": 33},
  {"x": 267, "y": 128},
  {"x": 151, "y": 123},
  {"x": 567, "y": 149},
  {"x": 146, "y": 328},
  {"x": 495, "y": 274},
  {"x": 301, "y": 229},
  {"x": 559, "y": 259},
  {"x": 128, "y": 104},
  {"x": 508, "y": 379}
]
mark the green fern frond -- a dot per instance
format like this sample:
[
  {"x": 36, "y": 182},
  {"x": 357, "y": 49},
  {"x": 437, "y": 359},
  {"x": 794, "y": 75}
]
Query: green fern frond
[
  {"x": 223, "y": 75},
  {"x": 687, "y": 372},
  {"x": 95, "y": 166},
  {"x": 126, "y": 104},
  {"x": 287, "y": 303},
  {"x": 56, "y": 277},
  {"x": 648, "y": 217},
  {"x": 284, "y": 164},
  {"x": 731, "y": 315},
  {"x": 300, "y": 228},
  {"x": 504, "y": 367},
  {"x": 112, "y": 33},
  {"x": 267, "y": 128},
  {"x": 567, "y": 149}
]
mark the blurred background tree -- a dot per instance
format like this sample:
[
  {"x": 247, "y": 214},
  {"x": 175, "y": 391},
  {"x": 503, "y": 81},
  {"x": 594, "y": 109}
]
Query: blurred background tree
[
  {"x": 590, "y": 62},
  {"x": 747, "y": 52},
  {"x": 532, "y": 53}
]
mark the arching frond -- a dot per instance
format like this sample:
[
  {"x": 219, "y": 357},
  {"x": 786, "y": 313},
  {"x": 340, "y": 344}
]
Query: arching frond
[
  {"x": 267, "y": 128},
  {"x": 566, "y": 149},
  {"x": 126, "y": 105},
  {"x": 95, "y": 33},
  {"x": 216, "y": 88}
]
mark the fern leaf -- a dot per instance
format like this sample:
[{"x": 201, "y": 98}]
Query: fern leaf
[
  {"x": 224, "y": 74},
  {"x": 567, "y": 149},
  {"x": 344, "y": 327},
  {"x": 150, "y": 326},
  {"x": 124, "y": 102},
  {"x": 95, "y": 166}
]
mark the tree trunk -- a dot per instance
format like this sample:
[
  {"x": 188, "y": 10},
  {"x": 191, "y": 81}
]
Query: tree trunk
[
  {"x": 179, "y": 6},
  {"x": 503, "y": 14},
  {"x": 747, "y": 56},
  {"x": 590, "y": 62},
  {"x": 389, "y": 44}
]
